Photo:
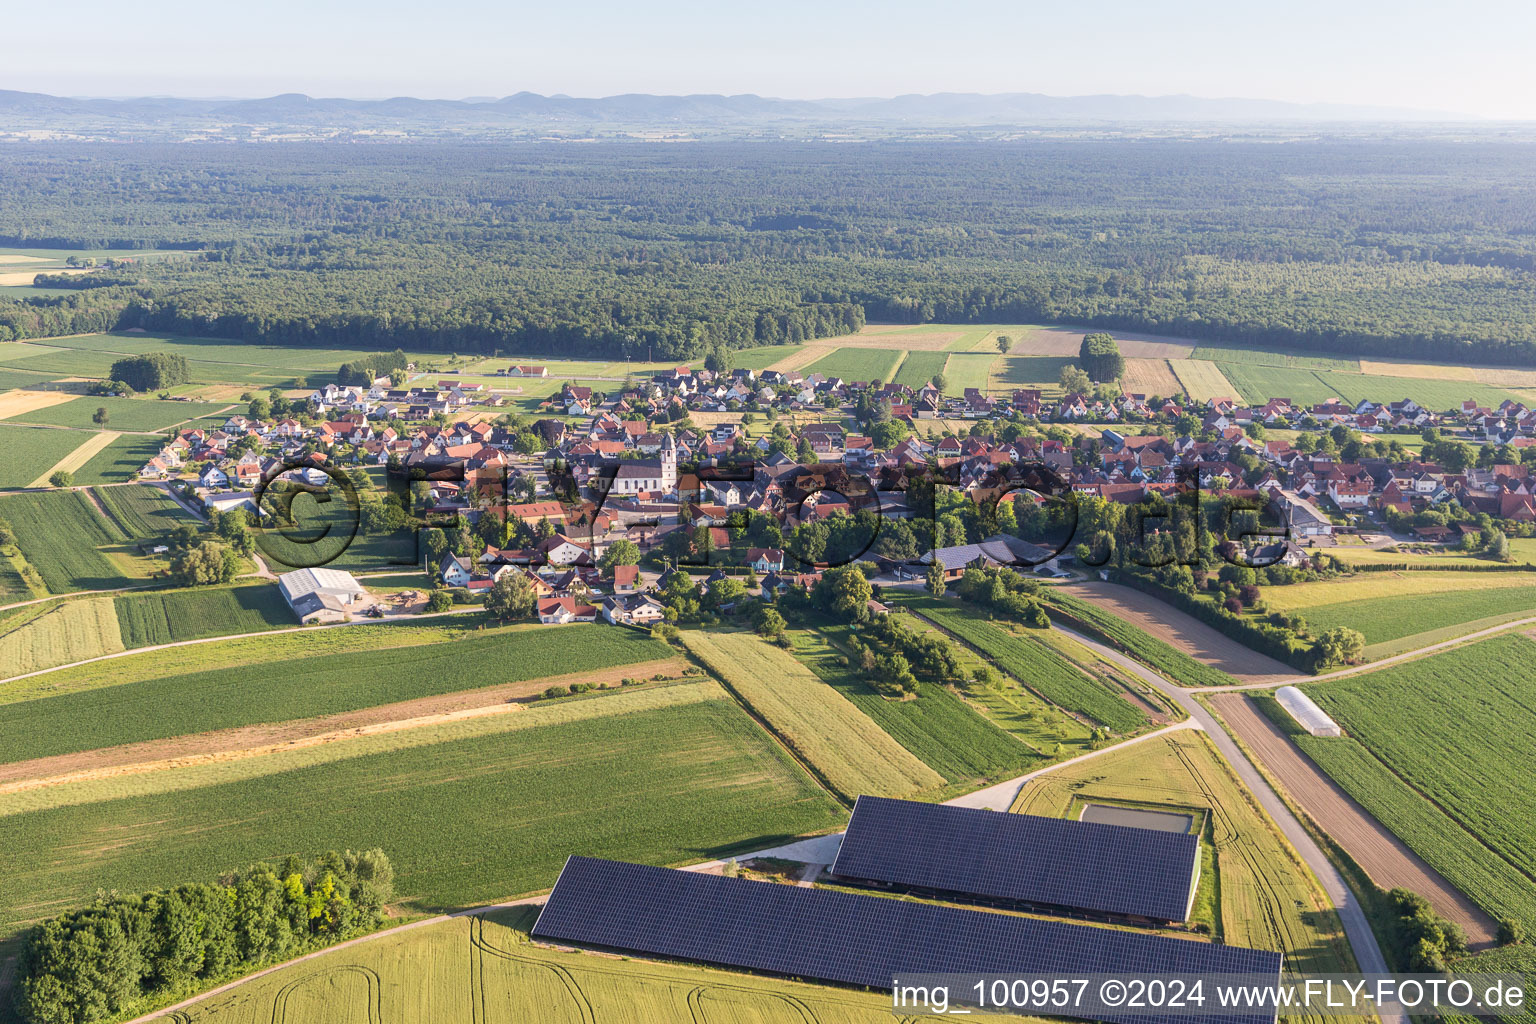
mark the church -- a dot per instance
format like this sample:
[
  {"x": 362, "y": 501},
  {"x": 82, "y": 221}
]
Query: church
[{"x": 656, "y": 475}]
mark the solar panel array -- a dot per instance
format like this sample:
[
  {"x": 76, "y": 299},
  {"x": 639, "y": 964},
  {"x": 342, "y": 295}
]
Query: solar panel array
[
  {"x": 852, "y": 939},
  {"x": 1023, "y": 858}
]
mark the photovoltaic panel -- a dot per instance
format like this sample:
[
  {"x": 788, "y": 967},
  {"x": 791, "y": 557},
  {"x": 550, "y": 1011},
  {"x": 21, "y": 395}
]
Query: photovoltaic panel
[
  {"x": 1020, "y": 858},
  {"x": 852, "y": 939}
]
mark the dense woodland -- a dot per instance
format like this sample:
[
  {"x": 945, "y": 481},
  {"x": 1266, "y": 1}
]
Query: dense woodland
[{"x": 1393, "y": 248}]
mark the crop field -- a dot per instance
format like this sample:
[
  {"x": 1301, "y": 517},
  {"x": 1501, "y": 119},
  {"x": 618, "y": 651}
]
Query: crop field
[
  {"x": 1151, "y": 377},
  {"x": 58, "y": 361},
  {"x": 1136, "y": 642},
  {"x": 58, "y": 633},
  {"x": 1506, "y": 376},
  {"x": 141, "y": 510},
  {"x": 465, "y": 822},
  {"x": 1456, "y": 728},
  {"x": 1270, "y": 357},
  {"x": 1031, "y": 663},
  {"x": 306, "y": 686},
  {"x": 59, "y": 532},
  {"x": 165, "y": 616},
  {"x": 13, "y": 378},
  {"x": 853, "y": 364},
  {"x": 1202, "y": 380},
  {"x": 1423, "y": 371},
  {"x": 30, "y": 453},
  {"x": 141, "y": 414},
  {"x": 1422, "y": 607},
  {"x": 821, "y": 725},
  {"x": 764, "y": 357},
  {"x": 908, "y": 337},
  {"x": 120, "y": 461},
  {"x": 72, "y": 462},
  {"x": 918, "y": 368},
  {"x": 1266, "y": 899},
  {"x": 1439, "y": 394},
  {"x": 484, "y": 969},
  {"x": 935, "y": 725},
  {"x": 14, "y": 404},
  {"x": 1256, "y": 383},
  {"x": 969, "y": 370},
  {"x": 1016, "y": 370}
]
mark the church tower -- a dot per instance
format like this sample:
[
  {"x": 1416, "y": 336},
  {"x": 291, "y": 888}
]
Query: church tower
[{"x": 668, "y": 463}]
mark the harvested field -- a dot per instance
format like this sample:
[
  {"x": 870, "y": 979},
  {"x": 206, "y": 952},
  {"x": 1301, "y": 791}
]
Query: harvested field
[
  {"x": 1150, "y": 377},
  {"x": 57, "y": 634},
  {"x": 1424, "y": 371},
  {"x": 1068, "y": 341},
  {"x": 266, "y": 738},
  {"x": 1202, "y": 380},
  {"x": 77, "y": 458},
  {"x": 902, "y": 337},
  {"x": 1505, "y": 377},
  {"x": 798, "y": 359},
  {"x": 21, "y": 401},
  {"x": 16, "y": 277},
  {"x": 1383, "y": 856},
  {"x": 1184, "y": 632}
]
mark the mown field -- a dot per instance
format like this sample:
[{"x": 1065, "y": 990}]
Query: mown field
[
  {"x": 1455, "y": 726},
  {"x": 1202, "y": 380},
  {"x": 1031, "y": 663},
  {"x": 165, "y": 616},
  {"x": 60, "y": 533},
  {"x": 484, "y": 969},
  {"x": 31, "y": 452},
  {"x": 935, "y": 725},
  {"x": 1132, "y": 640},
  {"x": 142, "y": 511},
  {"x": 857, "y": 364},
  {"x": 306, "y": 686},
  {"x": 827, "y": 730},
  {"x": 1020, "y": 370},
  {"x": 143, "y": 414},
  {"x": 1261, "y": 897},
  {"x": 465, "y": 822},
  {"x": 58, "y": 633},
  {"x": 969, "y": 370}
]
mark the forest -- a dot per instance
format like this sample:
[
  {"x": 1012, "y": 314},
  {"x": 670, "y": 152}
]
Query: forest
[{"x": 1399, "y": 248}]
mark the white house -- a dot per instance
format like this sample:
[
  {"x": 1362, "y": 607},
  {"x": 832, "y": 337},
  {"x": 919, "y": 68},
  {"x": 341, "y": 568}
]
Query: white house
[
  {"x": 212, "y": 476},
  {"x": 633, "y": 609},
  {"x": 455, "y": 571}
]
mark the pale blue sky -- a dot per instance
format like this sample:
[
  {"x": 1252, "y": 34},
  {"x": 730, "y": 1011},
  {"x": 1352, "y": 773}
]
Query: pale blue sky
[{"x": 1473, "y": 56}]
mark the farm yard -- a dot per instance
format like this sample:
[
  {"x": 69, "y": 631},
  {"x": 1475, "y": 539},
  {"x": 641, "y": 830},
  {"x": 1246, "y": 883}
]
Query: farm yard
[
  {"x": 1475, "y": 701},
  {"x": 1261, "y": 897},
  {"x": 669, "y": 775},
  {"x": 1031, "y": 663},
  {"x": 484, "y": 969},
  {"x": 822, "y": 726},
  {"x": 305, "y": 686}
]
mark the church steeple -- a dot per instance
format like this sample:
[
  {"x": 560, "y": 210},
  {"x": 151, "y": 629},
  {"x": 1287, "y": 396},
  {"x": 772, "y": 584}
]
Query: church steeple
[{"x": 668, "y": 462}]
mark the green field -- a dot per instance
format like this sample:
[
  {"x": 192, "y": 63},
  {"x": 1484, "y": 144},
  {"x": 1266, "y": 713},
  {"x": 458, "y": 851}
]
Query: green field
[
  {"x": 13, "y": 377},
  {"x": 856, "y": 364},
  {"x": 142, "y": 414},
  {"x": 1263, "y": 357},
  {"x": 825, "y": 728},
  {"x": 969, "y": 370},
  {"x": 1132, "y": 640},
  {"x": 920, "y": 367},
  {"x": 59, "y": 533},
  {"x": 306, "y": 686},
  {"x": 935, "y": 725},
  {"x": 1439, "y": 395},
  {"x": 1456, "y": 727},
  {"x": 29, "y": 453},
  {"x": 1257, "y": 383},
  {"x": 1385, "y": 619},
  {"x": 142, "y": 511},
  {"x": 119, "y": 461},
  {"x": 165, "y": 616},
  {"x": 1021, "y": 371},
  {"x": 761, "y": 358},
  {"x": 1031, "y": 663},
  {"x": 465, "y": 822}
]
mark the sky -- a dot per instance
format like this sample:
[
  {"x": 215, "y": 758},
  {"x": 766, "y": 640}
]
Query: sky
[{"x": 1471, "y": 57}]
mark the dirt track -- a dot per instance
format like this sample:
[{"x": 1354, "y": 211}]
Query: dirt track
[
  {"x": 1383, "y": 856},
  {"x": 1185, "y": 632},
  {"x": 227, "y": 744}
]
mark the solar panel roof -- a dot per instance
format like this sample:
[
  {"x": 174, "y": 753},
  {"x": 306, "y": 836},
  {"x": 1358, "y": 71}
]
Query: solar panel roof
[
  {"x": 853, "y": 939},
  {"x": 1109, "y": 869}
]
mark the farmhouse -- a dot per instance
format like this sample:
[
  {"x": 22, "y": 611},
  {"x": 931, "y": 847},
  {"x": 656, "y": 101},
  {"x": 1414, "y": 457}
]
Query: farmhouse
[
  {"x": 1306, "y": 712},
  {"x": 323, "y": 595}
]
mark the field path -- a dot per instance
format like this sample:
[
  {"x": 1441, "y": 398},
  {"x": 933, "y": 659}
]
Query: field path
[
  {"x": 1186, "y": 633},
  {"x": 77, "y": 458},
  {"x": 1384, "y": 857}
]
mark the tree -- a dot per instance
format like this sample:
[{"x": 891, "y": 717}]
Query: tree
[
  {"x": 440, "y": 601},
  {"x": 208, "y": 563},
  {"x": 718, "y": 361},
  {"x": 770, "y": 623},
  {"x": 1074, "y": 381},
  {"x": 62, "y": 478},
  {"x": 1100, "y": 357},
  {"x": 1004, "y": 343},
  {"x": 936, "y": 579},
  {"x": 620, "y": 552},
  {"x": 940, "y": 381},
  {"x": 1511, "y": 931},
  {"x": 1339, "y": 646},
  {"x": 847, "y": 592},
  {"x": 100, "y": 416},
  {"x": 510, "y": 597}
]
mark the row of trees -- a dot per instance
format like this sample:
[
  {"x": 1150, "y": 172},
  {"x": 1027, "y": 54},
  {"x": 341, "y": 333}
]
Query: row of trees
[
  {"x": 127, "y": 952},
  {"x": 152, "y": 371}
]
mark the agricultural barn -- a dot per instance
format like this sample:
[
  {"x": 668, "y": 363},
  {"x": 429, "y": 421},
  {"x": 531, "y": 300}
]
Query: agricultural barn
[
  {"x": 1020, "y": 861},
  {"x": 999, "y": 550},
  {"x": 852, "y": 939},
  {"x": 323, "y": 595},
  {"x": 1306, "y": 712}
]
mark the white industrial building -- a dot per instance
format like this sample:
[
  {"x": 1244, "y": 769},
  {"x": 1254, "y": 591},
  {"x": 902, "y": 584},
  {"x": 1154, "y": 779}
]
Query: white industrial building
[
  {"x": 1306, "y": 712},
  {"x": 323, "y": 595}
]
